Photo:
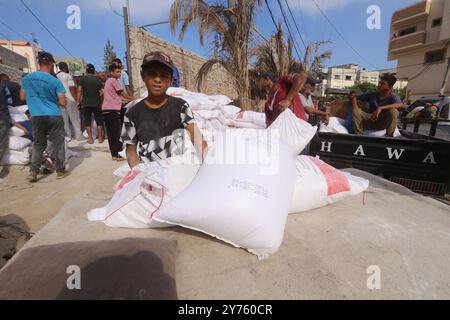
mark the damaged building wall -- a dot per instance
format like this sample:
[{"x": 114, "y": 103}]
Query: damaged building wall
[{"x": 188, "y": 64}]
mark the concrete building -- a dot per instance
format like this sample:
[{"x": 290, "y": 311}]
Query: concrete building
[
  {"x": 25, "y": 49},
  {"x": 343, "y": 76},
  {"x": 368, "y": 76},
  {"x": 420, "y": 42},
  {"x": 12, "y": 59}
]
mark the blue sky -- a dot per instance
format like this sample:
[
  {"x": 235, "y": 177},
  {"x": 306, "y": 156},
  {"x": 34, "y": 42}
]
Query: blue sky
[{"x": 99, "y": 22}]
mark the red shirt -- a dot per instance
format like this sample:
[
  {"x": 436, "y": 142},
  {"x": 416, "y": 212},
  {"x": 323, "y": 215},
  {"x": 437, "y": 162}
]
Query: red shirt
[{"x": 278, "y": 93}]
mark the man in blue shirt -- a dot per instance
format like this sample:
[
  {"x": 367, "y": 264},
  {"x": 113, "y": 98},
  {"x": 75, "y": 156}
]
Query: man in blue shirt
[
  {"x": 45, "y": 94},
  {"x": 383, "y": 110}
]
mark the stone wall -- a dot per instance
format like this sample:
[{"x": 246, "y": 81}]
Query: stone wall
[
  {"x": 13, "y": 73},
  {"x": 188, "y": 64}
]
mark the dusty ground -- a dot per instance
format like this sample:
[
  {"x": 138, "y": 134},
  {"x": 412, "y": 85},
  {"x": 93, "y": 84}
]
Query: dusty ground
[{"x": 90, "y": 171}]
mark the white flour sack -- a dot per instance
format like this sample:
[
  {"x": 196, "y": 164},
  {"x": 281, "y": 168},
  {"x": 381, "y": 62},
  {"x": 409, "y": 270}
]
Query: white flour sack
[
  {"x": 319, "y": 184},
  {"x": 294, "y": 131},
  {"x": 143, "y": 193},
  {"x": 241, "y": 194},
  {"x": 18, "y": 143}
]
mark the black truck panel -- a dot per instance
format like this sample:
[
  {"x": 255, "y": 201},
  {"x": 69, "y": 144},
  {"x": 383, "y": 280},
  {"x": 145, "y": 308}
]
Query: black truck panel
[{"x": 419, "y": 162}]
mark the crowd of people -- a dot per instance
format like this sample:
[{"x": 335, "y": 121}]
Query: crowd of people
[{"x": 61, "y": 108}]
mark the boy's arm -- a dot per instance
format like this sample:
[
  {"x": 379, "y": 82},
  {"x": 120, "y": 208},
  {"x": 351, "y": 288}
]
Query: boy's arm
[
  {"x": 23, "y": 96},
  {"x": 298, "y": 81},
  {"x": 79, "y": 95},
  {"x": 126, "y": 96},
  {"x": 20, "y": 126},
  {"x": 132, "y": 156}
]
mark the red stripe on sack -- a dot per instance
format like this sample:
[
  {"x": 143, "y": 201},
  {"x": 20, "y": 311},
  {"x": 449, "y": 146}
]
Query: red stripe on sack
[{"x": 336, "y": 181}]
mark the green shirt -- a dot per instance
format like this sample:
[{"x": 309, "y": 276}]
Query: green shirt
[{"x": 91, "y": 91}]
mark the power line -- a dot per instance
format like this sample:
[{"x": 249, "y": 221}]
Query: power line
[
  {"x": 11, "y": 29},
  {"x": 289, "y": 30},
  {"x": 295, "y": 23},
  {"x": 43, "y": 25},
  {"x": 271, "y": 15},
  {"x": 340, "y": 34},
  {"x": 303, "y": 19}
]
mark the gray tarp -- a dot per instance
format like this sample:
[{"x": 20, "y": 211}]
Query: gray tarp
[{"x": 325, "y": 253}]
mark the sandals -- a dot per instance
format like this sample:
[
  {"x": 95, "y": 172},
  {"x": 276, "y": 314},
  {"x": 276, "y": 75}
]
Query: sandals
[{"x": 118, "y": 159}]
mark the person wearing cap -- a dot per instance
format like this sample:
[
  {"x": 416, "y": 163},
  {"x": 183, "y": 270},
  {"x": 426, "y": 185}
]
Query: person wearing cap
[
  {"x": 45, "y": 96},
  {"x": 154, "y": 128},
  {"x": 111, "y": 107},
  {"x": 308, "y": 104},
  {"x": 89, "y": 99},
  {"x": 70, "y": 112}
]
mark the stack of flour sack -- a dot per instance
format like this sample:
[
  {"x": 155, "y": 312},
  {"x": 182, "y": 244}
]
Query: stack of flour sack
[
  {"x": 242, "y": 193},
  {"x": 18, "y": 151}
]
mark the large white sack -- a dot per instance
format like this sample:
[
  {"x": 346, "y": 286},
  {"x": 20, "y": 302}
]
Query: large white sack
[
  {"x": 18, "y": 143},
  {"x": 18, "y": 109},
  {"x": 319, "y": 184},
  {"x": 294, "y": 131},
  {"x": 14, "y": 157},
  {"x": 241, "y": 194},
  {"x": 257, "y": 118},
  {"x": 230, "y": 111},
  {"x": 207, "y": 114},
  {"x": 335, "y": 125},
  {"x": 18, "y": 117},
  {"x": 246, "y": 125},
  {"x": 139, "y": 198},
  {"x": 16, "y": 132},
  {"x": 381, "y": 133},
  {"x": 219, "y": 100}
]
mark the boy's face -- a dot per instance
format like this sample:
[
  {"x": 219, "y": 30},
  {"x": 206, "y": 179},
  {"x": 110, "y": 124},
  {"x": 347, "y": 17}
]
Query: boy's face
[
  {"x": 157, "y": 78},
  {"x": 116, "y": 73}
]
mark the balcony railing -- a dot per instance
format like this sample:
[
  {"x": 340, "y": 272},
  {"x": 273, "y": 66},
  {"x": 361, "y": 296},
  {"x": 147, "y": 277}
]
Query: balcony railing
[
  {"x": 408, "y": 41},
  {"x": 414, "y": 13}
]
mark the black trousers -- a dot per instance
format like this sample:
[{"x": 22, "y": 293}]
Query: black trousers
[
  {"x": 49, "y": 128},
  {"x": 113, "y": 129}
]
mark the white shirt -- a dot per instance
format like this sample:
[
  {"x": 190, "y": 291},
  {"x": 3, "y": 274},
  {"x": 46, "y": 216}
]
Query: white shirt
[
  {"x": 307, "y": 102},
  {"x": 68, "y": 83}
]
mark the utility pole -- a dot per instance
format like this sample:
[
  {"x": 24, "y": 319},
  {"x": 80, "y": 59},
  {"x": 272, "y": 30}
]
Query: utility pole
[
  {"x": 127, "y": 40},
  {"x": 447, "y": 73}
]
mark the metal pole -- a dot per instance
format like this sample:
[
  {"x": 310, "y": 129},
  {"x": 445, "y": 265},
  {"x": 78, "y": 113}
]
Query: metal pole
[{"x": 127, "y": 41}]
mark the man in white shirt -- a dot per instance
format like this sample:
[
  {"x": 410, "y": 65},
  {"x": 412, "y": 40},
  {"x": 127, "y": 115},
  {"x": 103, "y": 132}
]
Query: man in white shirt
[
  {"x": 308, "y": 103},
  {"x": 70, "y": 113}
]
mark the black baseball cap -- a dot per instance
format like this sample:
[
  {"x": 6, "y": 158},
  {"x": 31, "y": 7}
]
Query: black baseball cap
[
  {"x": 90, "y": 67},
  {"x": 158, "y": 56},
  {"x": 45, "y": 56}
]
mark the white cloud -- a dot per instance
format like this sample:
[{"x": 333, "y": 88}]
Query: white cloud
[
  {"x": 142, "y": 11},
  {"x": 309, "y": 7}
]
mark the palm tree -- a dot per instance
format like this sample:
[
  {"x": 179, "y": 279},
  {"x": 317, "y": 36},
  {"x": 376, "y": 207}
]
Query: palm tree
[
  {"x": 234, "y": 22},
  {"x": 276, "y": 55}
]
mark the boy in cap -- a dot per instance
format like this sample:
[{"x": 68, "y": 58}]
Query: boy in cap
[
  {"x": 153, "y": 126},
  {"x": 45, "y": 94},
  {"x": 112, "y": 103}
]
